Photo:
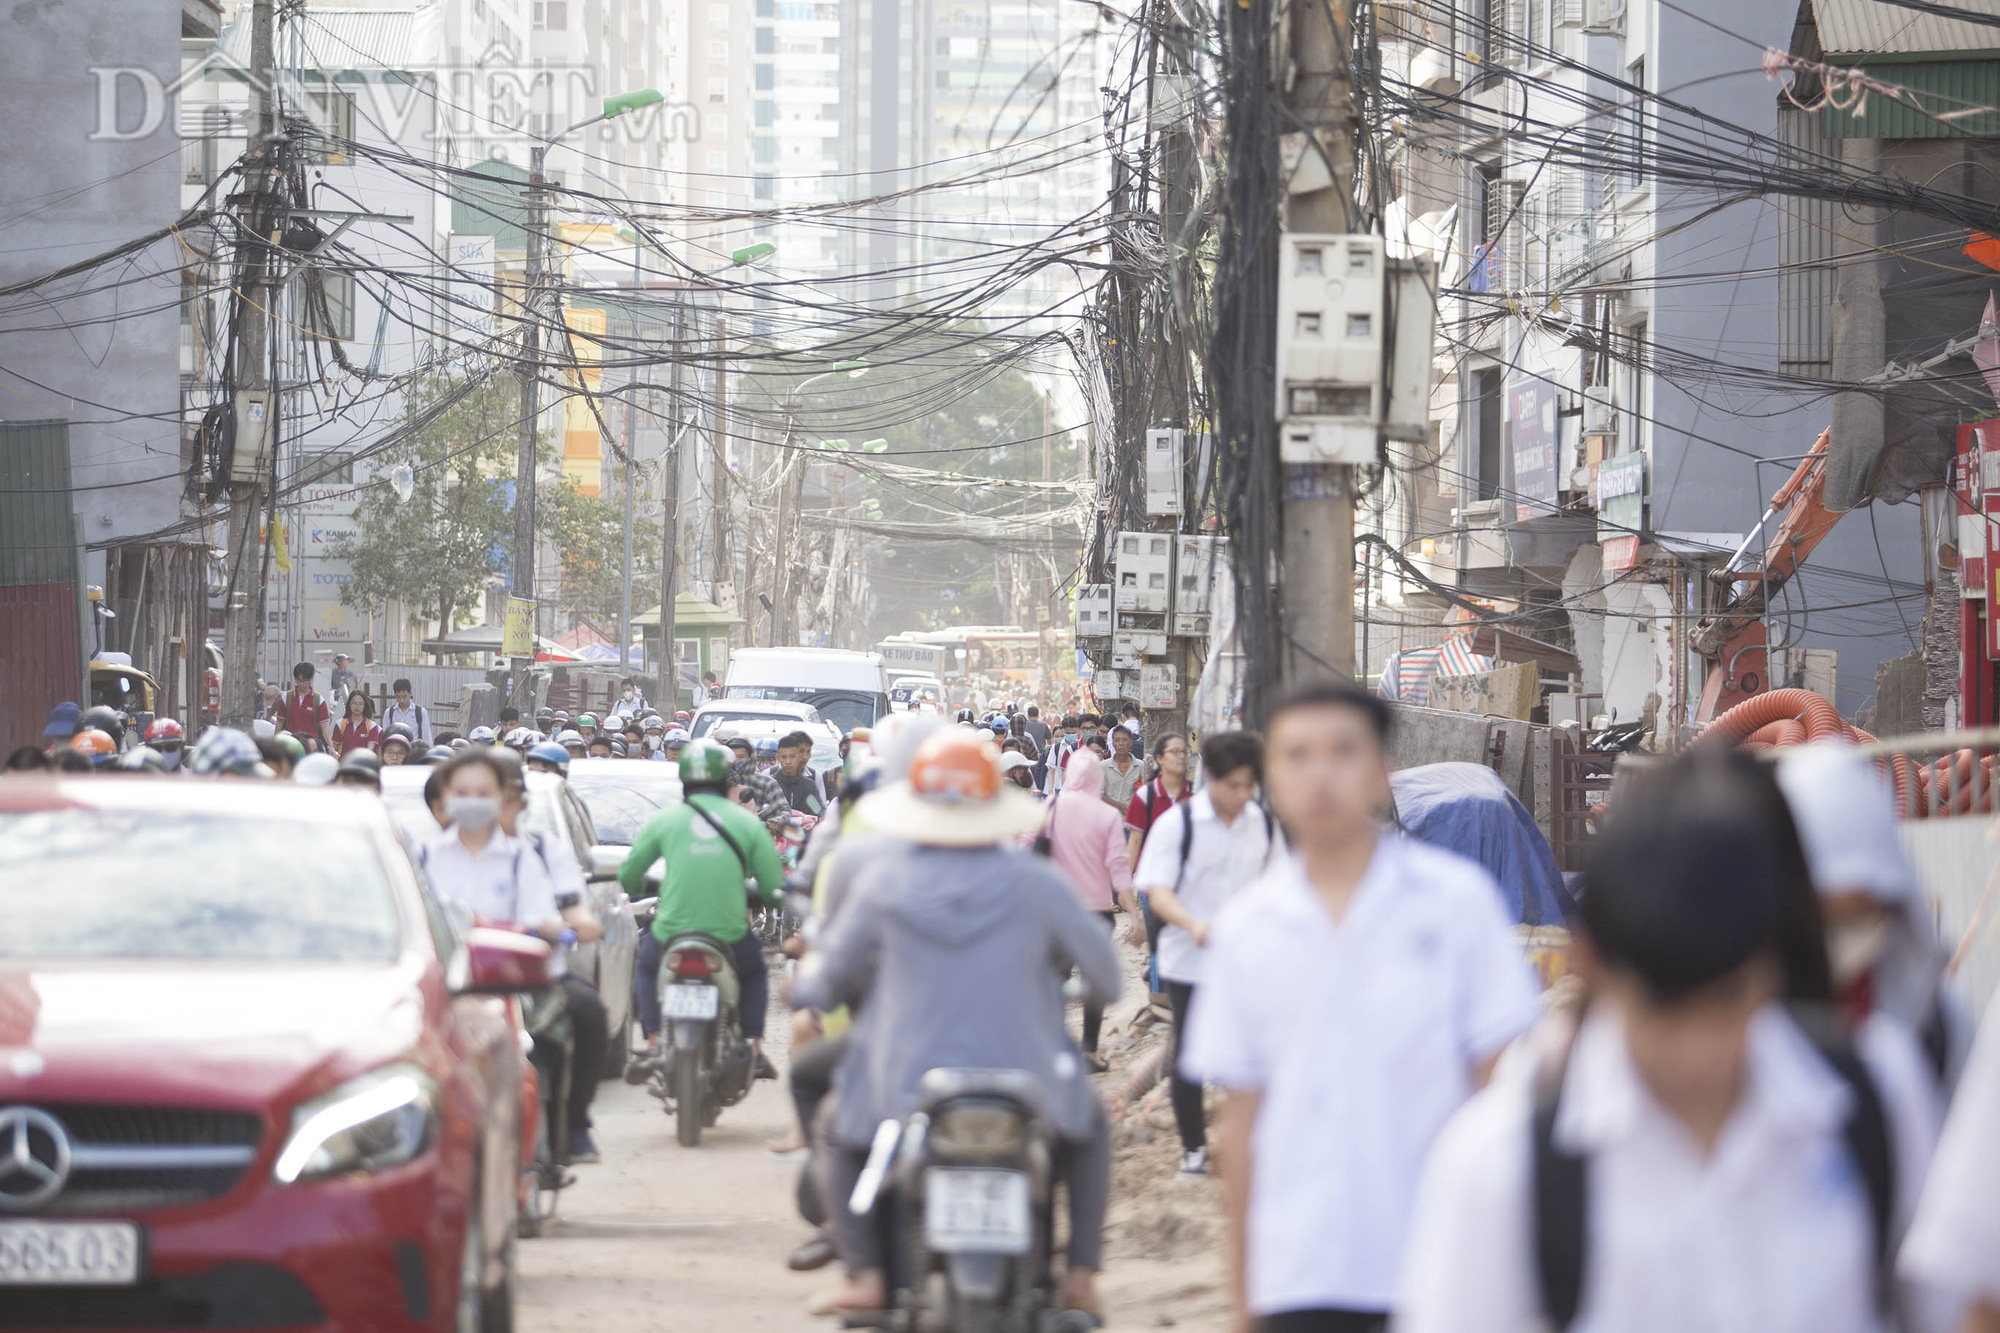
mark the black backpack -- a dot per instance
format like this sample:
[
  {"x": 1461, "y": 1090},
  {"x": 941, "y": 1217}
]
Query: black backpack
[{"x": 1560, "y": 1179}]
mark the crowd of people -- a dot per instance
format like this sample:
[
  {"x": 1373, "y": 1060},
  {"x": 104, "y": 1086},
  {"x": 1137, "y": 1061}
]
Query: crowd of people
[{"x": 1753, "y": 1105}]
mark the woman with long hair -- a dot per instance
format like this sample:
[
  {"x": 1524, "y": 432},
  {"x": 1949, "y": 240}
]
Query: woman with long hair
[{"x": 357, "y": 729}]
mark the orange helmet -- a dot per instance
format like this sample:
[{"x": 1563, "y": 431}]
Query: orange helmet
[
  {"x": 956, "y": 765},
  {"x": 96, "y": 744}
]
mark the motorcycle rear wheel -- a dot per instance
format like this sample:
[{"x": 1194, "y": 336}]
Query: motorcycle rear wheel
[{"x": 687, "y": 1098}]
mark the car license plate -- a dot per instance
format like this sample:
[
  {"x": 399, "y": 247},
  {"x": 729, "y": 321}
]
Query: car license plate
[
  {"x": 69, "y": 1254},
  {"x": 976, "y": 1210},
  {"x": 691, "y": 1002}
]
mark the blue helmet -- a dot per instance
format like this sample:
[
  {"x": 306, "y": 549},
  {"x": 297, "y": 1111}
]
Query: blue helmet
[
  {"x": 768, "y": 745},
  {"x": 549, "y": 753}
]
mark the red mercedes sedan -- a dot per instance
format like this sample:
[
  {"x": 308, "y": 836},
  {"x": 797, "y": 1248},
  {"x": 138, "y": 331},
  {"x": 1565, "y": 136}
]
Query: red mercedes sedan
[{"x": 250, "y": 1075}]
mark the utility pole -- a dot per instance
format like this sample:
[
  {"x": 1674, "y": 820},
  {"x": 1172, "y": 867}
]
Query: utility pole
[
  {"x": 631, "y": 414},
  {"x": 255, "y": 407},
  {"x": 525, "y": 462},
  {"x": 1318, "y": 498},
  {"x": 670, "y": 519},
  {"x": 722, "y": 570}
]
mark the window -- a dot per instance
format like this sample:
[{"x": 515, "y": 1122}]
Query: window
[
  {"x": 718, "y": 49},
  {"x": 332, "y": 113},
  {"x": 1630, "y": 386},
  {"x": 718, "y": 124},
  {"x": 765, "y": 82},
  {"x": 718, "y": 163},
  {"x": 1538, "y": 29},
  {"x": 1486, "y": 422},
  {"x": 766, "y": 114},
  {"x": 552, "y": 15},
  {"x": 767, "y": 41},
  {"x": 718, "y": 15},
  {"x": 767, "y": 149},
  {"x": 1631, "y": 149},
  {"x": 766, "y": 187},
  {"x": 336, "y": 320},
  {"x": 330, "y": 469},
  {"x": 718, "y": 91}
]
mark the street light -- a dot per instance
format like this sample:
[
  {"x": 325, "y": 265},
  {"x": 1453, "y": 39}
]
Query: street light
[{"x": 531, "y": 344}]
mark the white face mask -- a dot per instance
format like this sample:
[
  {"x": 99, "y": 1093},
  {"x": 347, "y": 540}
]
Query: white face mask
[
  {"x": 631, "y": 694},
  {"x": 172, "y": 758},
  {"x": 1853, "y": 950},
  {"x": 477, "y": 813}
]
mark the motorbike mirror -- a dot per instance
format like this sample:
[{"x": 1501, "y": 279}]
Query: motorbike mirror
[
  {"x": 605, "y": 862},
  {"x": 500, "y": 962}
]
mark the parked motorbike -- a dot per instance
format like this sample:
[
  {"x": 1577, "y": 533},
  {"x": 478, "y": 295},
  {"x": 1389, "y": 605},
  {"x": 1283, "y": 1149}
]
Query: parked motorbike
[{"x": 962, "y": 1196}]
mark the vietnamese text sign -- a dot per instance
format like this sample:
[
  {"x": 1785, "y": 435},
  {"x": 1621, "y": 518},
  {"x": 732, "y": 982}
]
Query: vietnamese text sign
[
  {"x": 517, "y": 632},
  {"x": 1621, "y": 496},
  {"x": 1531, "y": 409}
]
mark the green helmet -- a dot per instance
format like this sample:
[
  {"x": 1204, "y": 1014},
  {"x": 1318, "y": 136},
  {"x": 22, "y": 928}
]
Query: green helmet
[
  {"x": 586, "y": 720},
  {"x": 704, "y": 762},
  {"x": 294, "y": 747}
]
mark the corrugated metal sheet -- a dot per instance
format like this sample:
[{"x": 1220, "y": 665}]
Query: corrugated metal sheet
[
  {"x": 1853, "y": 28},
  {"x": 37, "y": 530},
  {"x": 1940, "y": 86},
  {"x": 1954, "y": 861},
  {"x": 337, "y": 40},
  {"x": 41, "y": 658},
  {"x": 1805, "y": 253}
]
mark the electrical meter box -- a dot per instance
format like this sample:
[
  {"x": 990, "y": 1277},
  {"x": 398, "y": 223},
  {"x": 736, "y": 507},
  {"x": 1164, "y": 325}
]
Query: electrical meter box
[
  {"x": 250, "y": 456},
  {"x": 1093, "y": 611},
  {"x": 1158, "y": 686},
  {"x": 1131, "y": 647},
  {"x": 1331, "y": 339},
  {"x": 1195, "y": 571},
  {"x": 1107, "y": 684},
  {"x": 1143, "y": 565},
  {"x": 1164, "y": 472},
  {"x": 1412, "y": 313}
]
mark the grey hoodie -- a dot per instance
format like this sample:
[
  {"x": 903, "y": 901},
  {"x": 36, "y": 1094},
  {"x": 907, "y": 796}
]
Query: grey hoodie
[{"x": 960, "y": 955}]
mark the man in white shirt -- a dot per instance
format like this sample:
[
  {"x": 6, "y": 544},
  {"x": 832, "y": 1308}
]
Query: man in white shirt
[
  {"x": 405, "y": 711},
  {"x": 1954, "y": 1243},
  {"x": 1200, "y": 853},
  {"x": 1700, "y": 1155},
  {"x": 1353, "y": 998}
]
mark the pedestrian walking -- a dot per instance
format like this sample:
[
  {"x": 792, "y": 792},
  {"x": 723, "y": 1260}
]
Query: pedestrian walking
[
  {"x": 407, "y": 712},
  {"x": 1085, "y": 839},
  {"x": 301, "y": 711},
  {"x": 357, "y": 729},
  {"x": 1694, "y": 1152},
  {"x": 1351, "y": 1000},
  {"x": 1200, "y": 855}
]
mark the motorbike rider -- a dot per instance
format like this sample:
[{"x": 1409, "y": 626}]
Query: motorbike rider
[
  {"x": 709, "y": 847},
  {"x": 802, "y": 790},
  {"x": 166, "y": 738},
  {"x": 959, "y": 943},
  {"x": 547, "y": 757}
]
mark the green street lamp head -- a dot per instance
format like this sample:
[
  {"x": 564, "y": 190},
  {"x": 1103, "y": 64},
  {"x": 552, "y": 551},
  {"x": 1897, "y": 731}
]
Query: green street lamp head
[
  {"x": 854, "y": 369},
  {"x": 623, "y": 102},
  {"x": 833, "y": 444},
  {"x": 875, "y": 446},
  {"x": 750, "y": 254}
]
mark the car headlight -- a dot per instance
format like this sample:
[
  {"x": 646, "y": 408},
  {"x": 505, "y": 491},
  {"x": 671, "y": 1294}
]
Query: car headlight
[{"x": 381, "y": 1119}]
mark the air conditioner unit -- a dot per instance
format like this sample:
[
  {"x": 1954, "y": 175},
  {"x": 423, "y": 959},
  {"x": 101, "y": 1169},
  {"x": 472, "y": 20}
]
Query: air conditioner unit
[
  {"x": 1604, "y": 18},
  {"x": 1600, "y": 417}
]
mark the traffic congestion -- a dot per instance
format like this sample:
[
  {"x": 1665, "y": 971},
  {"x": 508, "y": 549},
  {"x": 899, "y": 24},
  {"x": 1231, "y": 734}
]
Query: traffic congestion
[{"x": 310, "y": 1025}]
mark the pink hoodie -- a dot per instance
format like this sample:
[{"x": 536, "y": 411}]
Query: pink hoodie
[{"x": 1087, "y": 835}]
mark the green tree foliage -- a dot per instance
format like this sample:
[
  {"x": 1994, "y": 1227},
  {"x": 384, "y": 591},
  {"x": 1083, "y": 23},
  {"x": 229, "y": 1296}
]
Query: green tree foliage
[
  {"x": 589, "y": 531},
  {"x": 436, "y": 550}
]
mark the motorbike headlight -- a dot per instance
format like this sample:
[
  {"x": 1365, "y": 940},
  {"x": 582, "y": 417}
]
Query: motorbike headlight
[
  {"x": 381, "y": 1119},
  {"x": 974, "y": 1129}
]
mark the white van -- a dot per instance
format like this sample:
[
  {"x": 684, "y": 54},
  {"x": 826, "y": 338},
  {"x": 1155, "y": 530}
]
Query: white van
[{"x": 849, "y": 689}]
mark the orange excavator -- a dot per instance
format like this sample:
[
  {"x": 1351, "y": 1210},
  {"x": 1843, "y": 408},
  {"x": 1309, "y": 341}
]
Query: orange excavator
[{"x": 1732, "y": 638}]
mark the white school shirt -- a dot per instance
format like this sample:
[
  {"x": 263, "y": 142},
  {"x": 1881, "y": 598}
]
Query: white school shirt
[
  {"x": 1361, "y": 1038},
  {"x": 1954, "y": 1243},
  {"x": 416, "y": 717},
  {"x": 1772, "y": 1233},
  {"x": 503, "y": 881},
  {"x": 1222, "y": 860}
]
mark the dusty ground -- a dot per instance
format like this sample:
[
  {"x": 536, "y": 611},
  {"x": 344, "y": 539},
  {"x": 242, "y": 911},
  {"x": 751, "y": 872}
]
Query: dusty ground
[{"x": 666, "y": 1239}]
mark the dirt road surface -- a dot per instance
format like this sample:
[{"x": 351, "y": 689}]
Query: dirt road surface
[{"x": 663, "y": 1239}]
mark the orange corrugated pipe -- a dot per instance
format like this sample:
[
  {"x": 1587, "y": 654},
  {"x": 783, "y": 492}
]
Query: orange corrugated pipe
[{"x": 1804, "y": 707}]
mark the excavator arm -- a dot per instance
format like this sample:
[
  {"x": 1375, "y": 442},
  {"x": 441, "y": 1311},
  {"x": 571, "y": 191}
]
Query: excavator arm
[{"x": 1732, "y": 638}]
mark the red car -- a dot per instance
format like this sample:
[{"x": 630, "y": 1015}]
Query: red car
[{"x": 250, "y": 1075}]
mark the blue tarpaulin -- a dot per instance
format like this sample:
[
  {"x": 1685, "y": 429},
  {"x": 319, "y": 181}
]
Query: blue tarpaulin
[{"x": 1467, "y": 808}]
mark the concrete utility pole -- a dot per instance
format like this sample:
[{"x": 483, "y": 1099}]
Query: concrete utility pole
[
  {"x": 255, "y": 408},
  {"x": 670, "y": 520},
  {"x": 525, "y": 462},
  {"x": 1318, "y": 503},
  {"x": 722, "y": 570}
]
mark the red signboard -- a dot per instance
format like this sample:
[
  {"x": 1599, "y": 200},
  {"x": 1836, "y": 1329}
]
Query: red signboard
[{"x": 1620, "y": 553}]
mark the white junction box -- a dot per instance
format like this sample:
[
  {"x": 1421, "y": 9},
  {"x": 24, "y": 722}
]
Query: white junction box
[
  {"x": 1195, "y": 573},
  {"x": 1143, "y": 565},
  {"x": 1164, "y": 472},
  {"x": 1331, "y": 338},
  {"x": 1107, "y": 684},
  {"x": 1093, "y": 611},
  {"x": 1131, "y": 647},
  {"x": 1157, "y": 686}
]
